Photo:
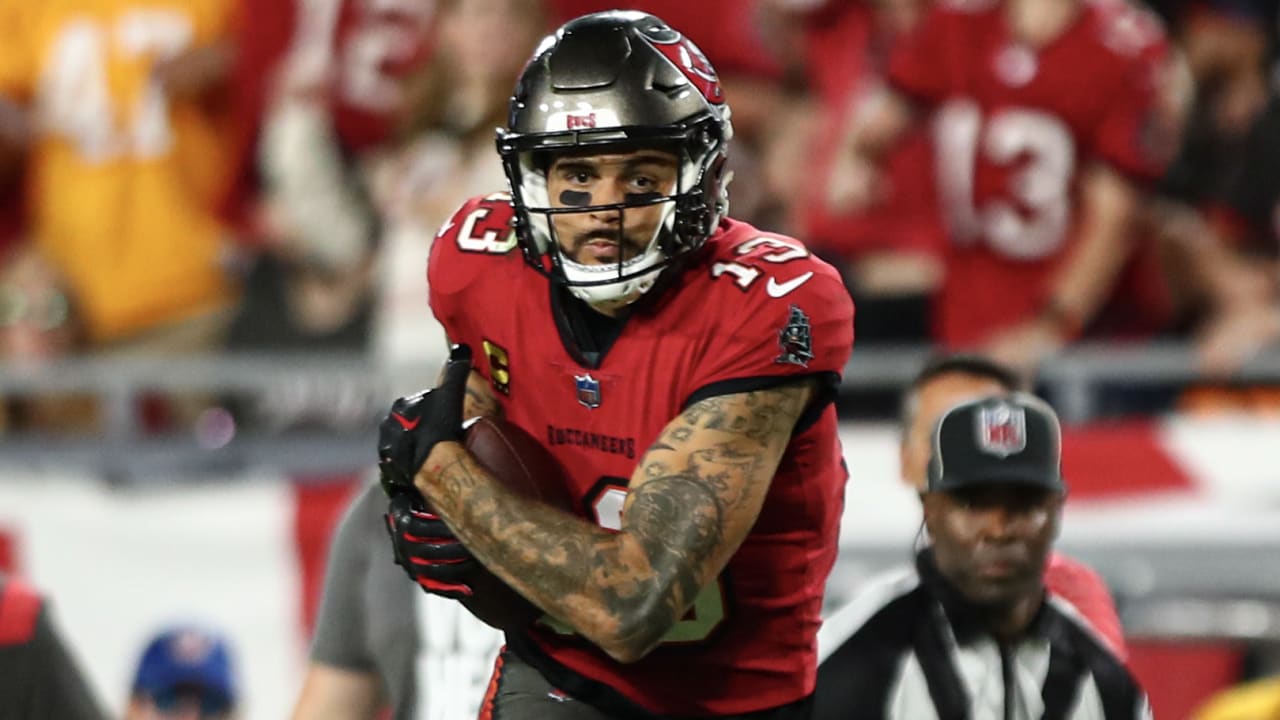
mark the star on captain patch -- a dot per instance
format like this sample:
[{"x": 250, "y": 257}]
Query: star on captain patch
[
  {"x": 588, "y": 391},
  {"x": 796, "y": 340}
]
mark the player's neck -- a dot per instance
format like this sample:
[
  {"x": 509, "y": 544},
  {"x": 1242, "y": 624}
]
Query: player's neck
[{"x": 1039, "y": 22}]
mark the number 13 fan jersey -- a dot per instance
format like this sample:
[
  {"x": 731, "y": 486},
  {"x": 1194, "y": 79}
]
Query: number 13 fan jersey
[
  {"x": 1014, "y": 126},
  {"x": 751, "y": 311}
]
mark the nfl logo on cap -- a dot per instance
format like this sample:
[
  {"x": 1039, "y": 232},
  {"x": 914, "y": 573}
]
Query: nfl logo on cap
[
  {"x": 588, "y": 391},
  {"x": 1002, "y": 429},
  {"x": 1012, "y": 438}
]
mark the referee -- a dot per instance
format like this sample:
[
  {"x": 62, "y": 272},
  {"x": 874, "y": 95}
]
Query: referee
[{"x": 969, "y": 633}]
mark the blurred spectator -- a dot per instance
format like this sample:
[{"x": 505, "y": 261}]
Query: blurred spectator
[
  {"x": 185, "y": 673},
  {"x": 1040, "y": 179},
  {"x": 1230, "y": 252},
  {"x": 329, "y": 77},
  {"x": 892, "y": 252},
  {"x": 125, "y": 161},
  {"x": 445, "y": 156},
  {"x": 321, "y": 92},
  {"x": 382, "y": 643},
  {"x": 39, "y": 677},
  {"x": 1223, "y": 225}
]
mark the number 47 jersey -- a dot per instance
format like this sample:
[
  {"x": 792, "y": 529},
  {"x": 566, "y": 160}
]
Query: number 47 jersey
[{"x": 752, "y": 310}]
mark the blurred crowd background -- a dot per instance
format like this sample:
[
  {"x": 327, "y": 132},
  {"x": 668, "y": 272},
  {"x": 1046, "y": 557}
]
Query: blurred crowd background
[
  {"x": 232, "y": 176},
  {"x": 215, "y": 216}
]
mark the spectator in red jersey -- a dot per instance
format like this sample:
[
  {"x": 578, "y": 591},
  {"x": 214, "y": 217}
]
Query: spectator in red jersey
[
  {"x": 949, "y": 380},
  {"x": 443, "y": 156},
  {"x": 892, "y": 252},
  {"x": 322, "y": 91},
  {"x": 1050, "y": 119}
]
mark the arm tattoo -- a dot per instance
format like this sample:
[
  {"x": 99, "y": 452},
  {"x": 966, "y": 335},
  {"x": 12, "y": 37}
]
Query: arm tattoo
[
  {"x": 693, "y": 498},
  {"x": 480, "y": 400}
]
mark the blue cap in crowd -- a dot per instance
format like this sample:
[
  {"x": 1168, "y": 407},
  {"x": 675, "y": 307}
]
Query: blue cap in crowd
[{"x": 188, "y": 661}]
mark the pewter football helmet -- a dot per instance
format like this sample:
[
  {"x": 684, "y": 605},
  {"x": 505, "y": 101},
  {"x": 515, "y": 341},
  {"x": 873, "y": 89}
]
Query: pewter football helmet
[{"x": 617, "y": 80}]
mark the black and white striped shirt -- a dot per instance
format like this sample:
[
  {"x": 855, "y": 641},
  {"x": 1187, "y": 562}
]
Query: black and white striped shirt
[{"x": 909, "y": 646}]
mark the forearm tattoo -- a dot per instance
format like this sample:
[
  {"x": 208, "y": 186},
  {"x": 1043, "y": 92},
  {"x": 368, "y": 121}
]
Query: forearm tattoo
[
  {"x": 695, "y": 496},
  {"x": 480, "y": 400}
]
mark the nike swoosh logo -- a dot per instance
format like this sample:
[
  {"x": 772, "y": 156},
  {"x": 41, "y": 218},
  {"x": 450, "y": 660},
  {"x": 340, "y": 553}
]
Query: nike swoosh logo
[
  {"x": 405, "y": 422},
  {"x": 777, "y": 289},
  {"x": 444, "y": 228}
]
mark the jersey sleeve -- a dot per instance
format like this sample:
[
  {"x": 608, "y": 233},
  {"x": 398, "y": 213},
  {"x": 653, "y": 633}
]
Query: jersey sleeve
[
  {"x": 916, "y": 60},
  {"x": 341, "y": 636},
  {"x": 777, "y": 315},
  {"x": 462, "y": 253}
]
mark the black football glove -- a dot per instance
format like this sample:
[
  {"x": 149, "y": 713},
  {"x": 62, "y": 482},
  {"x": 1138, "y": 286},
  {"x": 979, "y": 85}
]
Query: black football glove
[
  {"x": 417, "y": 422},
  {"x": 427, "y": 550}
]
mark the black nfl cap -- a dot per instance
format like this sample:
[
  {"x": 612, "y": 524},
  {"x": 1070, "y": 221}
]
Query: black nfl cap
[{"x": 1014, "y": 438}]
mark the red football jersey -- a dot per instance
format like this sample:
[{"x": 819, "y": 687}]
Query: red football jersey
[
  {"x": 755, "y": 306},
  {"x": 1013, "y": 126}
]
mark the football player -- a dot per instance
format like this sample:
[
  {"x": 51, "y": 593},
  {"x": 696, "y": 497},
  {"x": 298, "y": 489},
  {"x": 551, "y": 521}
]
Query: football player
[{"x": 679, "y": 364}]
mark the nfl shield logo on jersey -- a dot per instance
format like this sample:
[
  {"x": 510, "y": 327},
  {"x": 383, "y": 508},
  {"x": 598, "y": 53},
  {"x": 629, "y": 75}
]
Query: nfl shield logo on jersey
[
  {"x": 588, "y": 391},
  {"x": 1002, "y": 429}
]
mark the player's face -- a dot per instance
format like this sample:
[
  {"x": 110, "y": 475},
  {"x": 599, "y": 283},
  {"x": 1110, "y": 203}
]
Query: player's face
[
  {"x": 992, "y": 542},
  {"x": 932, "y": 399},
  {"x": 603, "y": 237}
]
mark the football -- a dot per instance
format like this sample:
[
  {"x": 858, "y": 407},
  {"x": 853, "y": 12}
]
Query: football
[{"x": 518, "y": 461}]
